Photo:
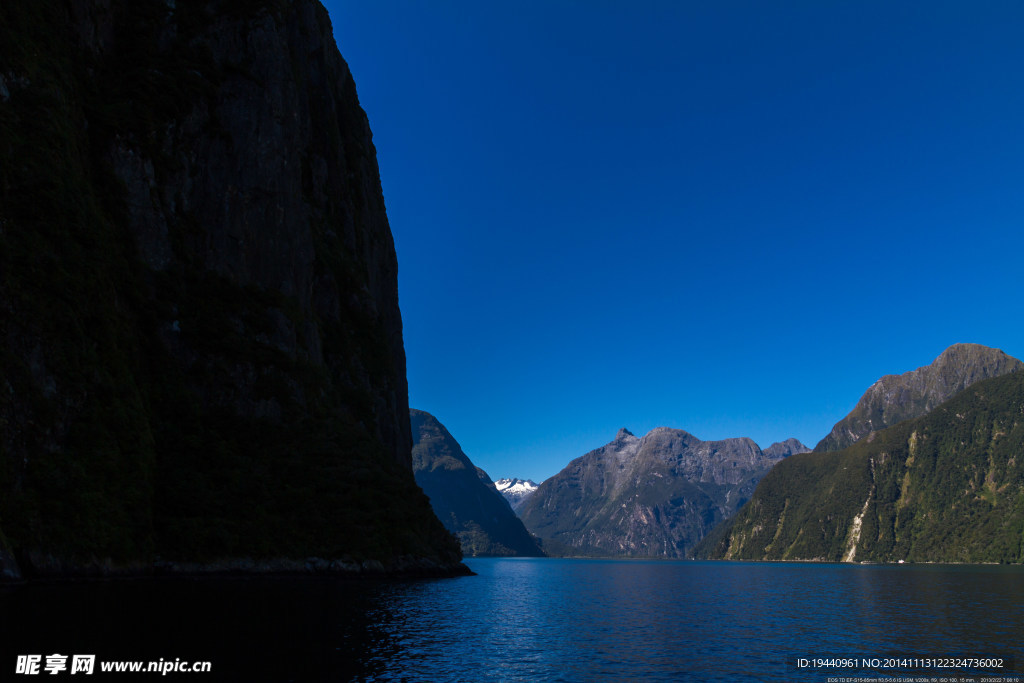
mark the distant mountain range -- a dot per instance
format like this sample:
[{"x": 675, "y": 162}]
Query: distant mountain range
[
  {"x": 516, "y": 491},
  {"x": 650, "y": 497},
  {"x": 945, "y": 485},
  {"x": 462, "y": 495}
]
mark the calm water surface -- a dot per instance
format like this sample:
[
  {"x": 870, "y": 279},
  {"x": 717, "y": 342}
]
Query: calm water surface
[{"x": 530, "y": 619}]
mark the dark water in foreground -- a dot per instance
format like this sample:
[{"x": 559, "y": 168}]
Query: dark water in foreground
[{"x": 566, "y": 620}]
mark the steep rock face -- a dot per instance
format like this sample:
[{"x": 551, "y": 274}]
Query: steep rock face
[
  {"x": 516, "y": 491},
  {"x": 201, "y": 343},
  {"x": 650, "y": 497},
  {"x": 8, "y": 565},
  {"x": 945, "y": 487},
  {"x": 895, "y": 398},
  {"x": 463, "y": 496}
]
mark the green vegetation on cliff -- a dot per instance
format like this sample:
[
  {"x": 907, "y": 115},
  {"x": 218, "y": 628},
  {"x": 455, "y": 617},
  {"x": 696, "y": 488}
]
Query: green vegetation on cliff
[{"x": 946, "y": 487}]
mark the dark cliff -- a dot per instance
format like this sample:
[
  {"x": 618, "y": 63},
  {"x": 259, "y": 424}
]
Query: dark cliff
[
  {"x": 201, "y": 345},
  {"x": 463, "y": 496}
]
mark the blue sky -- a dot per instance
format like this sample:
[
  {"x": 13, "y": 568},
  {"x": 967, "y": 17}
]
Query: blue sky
[{"x": 724, "y": 217}]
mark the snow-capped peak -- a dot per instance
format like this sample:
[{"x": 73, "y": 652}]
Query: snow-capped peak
[
  {"x": 515, "y": 491},
  {"x": 516, "y": 486}
]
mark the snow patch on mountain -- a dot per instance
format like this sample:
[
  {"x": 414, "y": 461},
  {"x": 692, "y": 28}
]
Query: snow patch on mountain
[{"x": 515, "y": 491}]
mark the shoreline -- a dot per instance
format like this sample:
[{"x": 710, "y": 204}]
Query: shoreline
[{"x": 314, "y": 567}]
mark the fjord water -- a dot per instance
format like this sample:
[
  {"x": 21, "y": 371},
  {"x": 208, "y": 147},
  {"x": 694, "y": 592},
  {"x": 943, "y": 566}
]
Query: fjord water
[{"x": 531, "y": 619}]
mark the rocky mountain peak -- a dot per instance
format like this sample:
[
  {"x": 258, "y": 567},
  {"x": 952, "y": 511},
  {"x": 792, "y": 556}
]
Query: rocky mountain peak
[
  {"x": 972, "y": 362},
  {"x": 624, "y": 447},
  {"x": 516, "y": 491},
  {"x": 784, "y": 449},
  {"x": 653, "y": 496},
  {"x": 667, "y": 439},
  {"x": 515, "y": 483},
  {"x": 895, "y": 398}
]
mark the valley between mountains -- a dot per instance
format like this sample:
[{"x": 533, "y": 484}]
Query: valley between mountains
[{"x": 926, "y": 467}]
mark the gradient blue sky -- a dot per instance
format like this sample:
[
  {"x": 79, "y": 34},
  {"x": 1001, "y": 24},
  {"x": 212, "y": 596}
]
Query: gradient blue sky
[{"x": 725, "y": 217}]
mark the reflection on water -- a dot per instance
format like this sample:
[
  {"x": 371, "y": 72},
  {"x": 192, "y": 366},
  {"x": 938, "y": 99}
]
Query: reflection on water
[{"x": 529, "y": 619}]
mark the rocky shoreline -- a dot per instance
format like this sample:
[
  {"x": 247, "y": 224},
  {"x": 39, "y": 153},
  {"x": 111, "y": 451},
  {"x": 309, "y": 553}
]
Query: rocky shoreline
[{"x": 405, "y": 567}]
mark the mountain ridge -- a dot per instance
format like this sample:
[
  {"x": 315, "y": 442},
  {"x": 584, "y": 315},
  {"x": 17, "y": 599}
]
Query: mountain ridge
[
  {"x": 654, "y": 496},
  {"x": 893, "y": 398},
  {"x": 944, "y": 487},
  {"x": 463, "y": 496}
]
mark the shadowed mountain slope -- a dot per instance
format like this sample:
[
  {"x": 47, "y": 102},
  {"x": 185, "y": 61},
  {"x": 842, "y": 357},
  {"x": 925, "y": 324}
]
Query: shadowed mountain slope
[
  {"x": 201, "y": 355},
  {"x": 463, "y": 496}
]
